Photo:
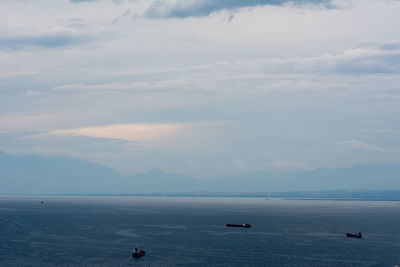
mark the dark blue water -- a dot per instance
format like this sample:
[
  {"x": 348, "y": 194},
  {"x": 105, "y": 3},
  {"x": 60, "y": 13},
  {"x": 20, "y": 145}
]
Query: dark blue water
[{"x": 102, "y": 231}]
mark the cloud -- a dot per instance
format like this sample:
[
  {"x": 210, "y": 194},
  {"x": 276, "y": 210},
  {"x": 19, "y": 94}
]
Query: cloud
[
  {"x": 360, "y": 146},
  {"x": 18, "y": 75},
  {"x": 126, "y": 14},
  {"x": 146, "y": 132},
  {"x": 201, "y": 8},
  {"x": 134, "y": 86},
  {"x": 127, "y": 132},
  {"x": 353, "y": 61},
  {"x": 103, "y": 87},
  {"x": 284, "y": 76},
  {"x": 46, "y": 40},
  {"x": 381, "y": 45},
  {"x": 369, "y": 61},
  {"x": 27, "y": 122}
]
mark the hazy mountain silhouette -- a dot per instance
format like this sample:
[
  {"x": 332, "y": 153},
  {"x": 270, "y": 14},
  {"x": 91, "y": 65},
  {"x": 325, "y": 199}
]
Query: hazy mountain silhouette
[
  {"x": 377, "y": 176},
  {"x": 32, "y": 174}
]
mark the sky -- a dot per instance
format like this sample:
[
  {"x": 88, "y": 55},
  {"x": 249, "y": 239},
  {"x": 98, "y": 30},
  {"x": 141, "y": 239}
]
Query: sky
[{"x": 202, "y": 87}]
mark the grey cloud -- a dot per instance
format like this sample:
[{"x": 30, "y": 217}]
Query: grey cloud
[
  {"x": 379, "y": 62},
  {"x": 126, "y": 14},
  {"x": 283, "y": 76},
  {"x": 389, "y": 45},
  {"x": 46, "y": 40},
  {"x": 200, "y": 8},
  {"x": 354, "y": 61}
]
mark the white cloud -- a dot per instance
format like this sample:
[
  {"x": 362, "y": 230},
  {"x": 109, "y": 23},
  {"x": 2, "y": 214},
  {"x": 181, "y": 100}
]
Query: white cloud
[
  {"x": 101, "y": 87},
  {"x": 176, "y": 136},
  {"x": 128, "y": 132},
  {"x": 143, "y": 86},
  {"x": 353, "y": 61},
  {"x": 271, "y": 75},
  {"x": 361, "y": 146}
]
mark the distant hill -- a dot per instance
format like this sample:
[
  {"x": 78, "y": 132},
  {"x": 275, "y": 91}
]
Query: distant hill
[
  {"x": 32, "y": 174},
  {"x": 38, "y": 175},
  {"x": 378, "y": 176}
]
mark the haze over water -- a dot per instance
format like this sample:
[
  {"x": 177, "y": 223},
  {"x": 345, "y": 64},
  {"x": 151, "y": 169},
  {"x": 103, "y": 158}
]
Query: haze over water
[{"x": 102, "y": 231}]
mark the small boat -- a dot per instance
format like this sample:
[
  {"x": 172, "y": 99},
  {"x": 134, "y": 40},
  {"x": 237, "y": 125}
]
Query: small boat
[
  {"x": 137, "y": 252},
  {"x": 245, "y": 225},
  {"x": 357, "y": 235}
]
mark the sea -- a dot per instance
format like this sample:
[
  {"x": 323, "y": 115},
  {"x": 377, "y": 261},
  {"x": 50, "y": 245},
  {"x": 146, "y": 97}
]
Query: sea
[{"x": 188, "y": 231}]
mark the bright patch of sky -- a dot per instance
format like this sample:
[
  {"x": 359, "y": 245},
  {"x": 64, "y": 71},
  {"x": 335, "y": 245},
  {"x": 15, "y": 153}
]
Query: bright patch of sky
[{"x": 202, "y": 87}]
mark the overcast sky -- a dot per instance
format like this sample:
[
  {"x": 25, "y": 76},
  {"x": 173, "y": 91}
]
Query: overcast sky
[{"x": 202, "y": 87}]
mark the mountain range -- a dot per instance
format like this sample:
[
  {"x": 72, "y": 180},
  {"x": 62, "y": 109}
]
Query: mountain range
[{"x": 33, "y": 174}]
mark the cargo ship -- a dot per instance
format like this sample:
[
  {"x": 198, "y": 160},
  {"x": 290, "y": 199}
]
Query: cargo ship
[
  {"x": 357, "y": 235},
  {"x": 245, "y": 225},
  {"x": 137, "y": 252}
]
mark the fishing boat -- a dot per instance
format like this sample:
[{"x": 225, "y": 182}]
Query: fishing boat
[{"x": 137, "y": 252}]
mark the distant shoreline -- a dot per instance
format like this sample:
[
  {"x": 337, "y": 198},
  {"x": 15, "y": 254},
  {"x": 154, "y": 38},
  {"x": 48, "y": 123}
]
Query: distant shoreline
[{"x": 389, "y": 195}]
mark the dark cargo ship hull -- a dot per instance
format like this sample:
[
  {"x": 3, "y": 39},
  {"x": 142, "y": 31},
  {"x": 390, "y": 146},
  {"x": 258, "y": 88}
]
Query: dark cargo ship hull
[
  {"x": 238, "y": 225},
  {"x": 354, "y": 235}
]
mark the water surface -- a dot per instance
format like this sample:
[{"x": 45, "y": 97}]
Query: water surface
[{"x": 102, "y": 231}]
